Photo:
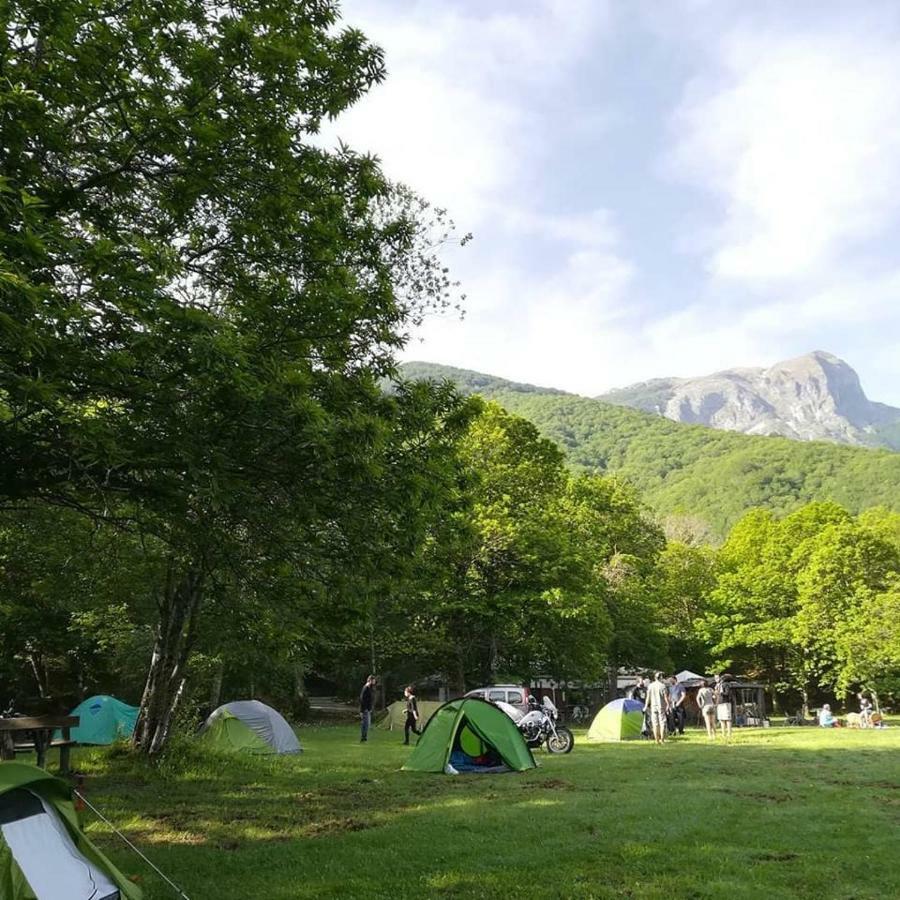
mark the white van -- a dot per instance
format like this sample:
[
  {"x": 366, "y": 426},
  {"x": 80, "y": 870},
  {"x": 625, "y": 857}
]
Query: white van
[{"x": 513, "y": 694}]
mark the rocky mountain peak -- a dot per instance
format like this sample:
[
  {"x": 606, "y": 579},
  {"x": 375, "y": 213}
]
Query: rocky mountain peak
[{"x": 817, "y": 396}]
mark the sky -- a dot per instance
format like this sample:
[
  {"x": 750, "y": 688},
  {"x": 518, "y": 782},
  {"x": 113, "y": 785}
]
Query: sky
[{"x": 654, "y": 188}]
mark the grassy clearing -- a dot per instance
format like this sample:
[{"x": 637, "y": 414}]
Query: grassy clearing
[{"x": 778, "y": 813}]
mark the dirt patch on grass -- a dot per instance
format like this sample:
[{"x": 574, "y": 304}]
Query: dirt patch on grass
[
  {"x": 336, "y": 826},
  {"x": 552, "y": 784},
  {"x": 775, "y": 856}
]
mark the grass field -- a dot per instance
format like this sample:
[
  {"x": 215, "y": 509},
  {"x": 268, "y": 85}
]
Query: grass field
[{"x": 778, "y": 813}]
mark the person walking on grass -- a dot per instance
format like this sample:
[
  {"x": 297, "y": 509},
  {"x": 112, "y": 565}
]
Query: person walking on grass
[
  {"x": 366, "y": 703},
  {"x": 657, "y": 704},
  {"x": 722, "y": 692},
  {"x": 412, "y": 713},
  {"x": 706, "y": 700}
]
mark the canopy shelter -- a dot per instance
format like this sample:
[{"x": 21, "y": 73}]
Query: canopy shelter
[
  {"x": 44, "y": 854},
  {"x": 619, "y": 720},
  {"x": 687, "y": 675},
  {"x": 250, "y": 726},
  {"x": 396, "y": 713},
  {"x": 470, "y": 735},
  {"x": 103, "y": 720}
]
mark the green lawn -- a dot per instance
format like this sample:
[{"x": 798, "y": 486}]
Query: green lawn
[{"x": 778, "y": 813}]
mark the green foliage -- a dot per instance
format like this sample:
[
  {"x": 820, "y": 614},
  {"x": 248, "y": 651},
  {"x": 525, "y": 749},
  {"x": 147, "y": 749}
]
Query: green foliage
[
  {"x": 790, "y": 593},
  {"x": 198, "y": 304},
  {"x": 690, "y": 470}
]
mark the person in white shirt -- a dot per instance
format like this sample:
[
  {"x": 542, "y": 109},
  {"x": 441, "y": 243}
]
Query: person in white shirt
[{"x": 657, "y": 703}]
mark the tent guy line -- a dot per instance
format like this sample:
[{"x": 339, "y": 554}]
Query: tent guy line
[{"x": 149, "y": 862}]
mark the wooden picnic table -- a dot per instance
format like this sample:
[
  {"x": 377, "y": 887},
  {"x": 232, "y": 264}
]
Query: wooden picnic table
[{"x": 41, "y": 729}]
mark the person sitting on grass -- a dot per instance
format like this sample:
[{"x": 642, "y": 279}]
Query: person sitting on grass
[
  {"x": 865, "y": 710},
  {"x": 826, "y": 719}
]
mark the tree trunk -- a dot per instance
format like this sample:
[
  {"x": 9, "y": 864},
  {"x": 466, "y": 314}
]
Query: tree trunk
[
  {"x": 179, "y": 607},
  {"x": 215, "y": 689},
  {"x": 40, "y": 674},
  {"x": 301, "y": 696},
  {"x": 459, "y": 681}
]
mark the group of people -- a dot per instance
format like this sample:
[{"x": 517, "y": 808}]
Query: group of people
[
  {"x": 367, "y": 704},
  {"x": 664, "y": 710},
  {"x": 867, "y": 717}
]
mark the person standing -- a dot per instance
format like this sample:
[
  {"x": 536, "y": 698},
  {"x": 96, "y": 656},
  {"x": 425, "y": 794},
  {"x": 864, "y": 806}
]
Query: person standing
[
  {"x": 722, "y": 692},
  {"x": 412, "y": 713},
  {"x": 366, "y": 704},
  {"x": 706, "y": 700},
  {"x": 636, "y": 691},
  {"x": 657, "y": 704},
  {"x": 677, "y": 695}
]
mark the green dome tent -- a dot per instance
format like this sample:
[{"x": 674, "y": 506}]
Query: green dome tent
[
  {"x": 43, "y": 851},
  {"x": 249, "y": 725},
  {"x": 470, "y": 735},
  {"x": 619, "y": 720},
  {"x": 103, "y": 719}
]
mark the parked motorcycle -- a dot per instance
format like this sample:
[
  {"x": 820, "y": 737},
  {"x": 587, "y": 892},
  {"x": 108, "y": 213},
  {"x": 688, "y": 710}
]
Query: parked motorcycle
[{"x": 538, "y": 726}]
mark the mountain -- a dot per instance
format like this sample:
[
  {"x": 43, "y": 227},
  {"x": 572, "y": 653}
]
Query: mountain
[
  {"x": 813, "y": 397},
  {"x": 691, "y": 473}
]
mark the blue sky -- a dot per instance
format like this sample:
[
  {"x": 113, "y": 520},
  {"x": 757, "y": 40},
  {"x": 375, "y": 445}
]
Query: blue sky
[{"x": 655, "y": 188}]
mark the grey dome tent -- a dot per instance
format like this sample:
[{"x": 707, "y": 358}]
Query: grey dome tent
[{"x": 249, "y": 725}]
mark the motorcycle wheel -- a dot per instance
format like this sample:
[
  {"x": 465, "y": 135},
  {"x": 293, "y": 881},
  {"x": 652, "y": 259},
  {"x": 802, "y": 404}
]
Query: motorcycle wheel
[{"x": 562, "y": 743}]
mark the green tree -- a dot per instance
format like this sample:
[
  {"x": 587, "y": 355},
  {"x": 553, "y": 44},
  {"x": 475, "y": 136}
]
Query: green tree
[{"x": 199, "y": 303}]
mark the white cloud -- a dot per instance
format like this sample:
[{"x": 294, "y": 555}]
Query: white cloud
[
  {"x": 500, "y": 111},
  {"x": 455, "y": 118},
  {"x": 551, "y": 327},
  {"x": 799, "y": 138}
]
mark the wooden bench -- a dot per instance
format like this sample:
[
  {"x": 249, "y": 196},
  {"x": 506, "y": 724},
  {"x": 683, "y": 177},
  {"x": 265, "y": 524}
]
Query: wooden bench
[{"x": 41, "y": 730}]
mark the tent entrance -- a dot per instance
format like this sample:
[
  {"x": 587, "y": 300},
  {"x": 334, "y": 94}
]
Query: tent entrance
[
  {"x": 45, "y": 853},
  {"x": 471, "y": 751}
]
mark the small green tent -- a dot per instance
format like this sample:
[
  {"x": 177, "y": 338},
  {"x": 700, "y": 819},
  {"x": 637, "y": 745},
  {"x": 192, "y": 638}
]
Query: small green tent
[
  {"x": 251, "y": 726},
  {"x": 103, "y": 719},
  {"x": 43, "y": 851},
  {"x": 470, "y": 735},
  {"x": 619, "y": 720}
]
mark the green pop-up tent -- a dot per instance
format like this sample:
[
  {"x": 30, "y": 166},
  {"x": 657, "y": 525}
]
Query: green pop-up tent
[
  {"x": 619, "y": 720},
  {"x": 103, "y": 719},
  {"x": 43, "y": 851},
  {"x": 470, "y": 735}
]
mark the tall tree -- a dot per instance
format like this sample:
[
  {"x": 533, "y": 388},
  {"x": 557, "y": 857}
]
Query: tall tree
[{"x": 197, "y": 301}]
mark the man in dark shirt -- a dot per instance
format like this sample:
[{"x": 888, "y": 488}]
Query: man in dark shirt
[{"x": 366, "y": 702}]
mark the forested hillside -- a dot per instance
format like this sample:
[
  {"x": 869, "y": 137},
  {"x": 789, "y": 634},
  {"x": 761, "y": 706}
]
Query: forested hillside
[{"x": 692, "y": 470}]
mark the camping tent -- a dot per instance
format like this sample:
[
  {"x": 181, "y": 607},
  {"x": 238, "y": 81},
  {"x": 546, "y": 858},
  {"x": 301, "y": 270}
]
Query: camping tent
[
  {"x": 396, "y": 713},
  {"x": 470, "y": 735},
  {"x": 249, "y": 725},
  {"x": 103, "y": 719},
  {"x": 619, "y": 720},
  {"x": 43, "y": 851}
]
